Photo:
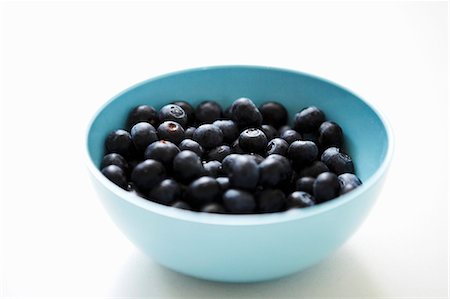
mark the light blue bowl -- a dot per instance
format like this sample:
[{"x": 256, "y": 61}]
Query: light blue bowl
[{"x": 245, "y": 248}]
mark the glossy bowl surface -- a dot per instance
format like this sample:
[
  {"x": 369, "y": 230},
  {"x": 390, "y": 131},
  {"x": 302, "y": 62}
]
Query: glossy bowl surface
[{"x": 245, "y": 248}]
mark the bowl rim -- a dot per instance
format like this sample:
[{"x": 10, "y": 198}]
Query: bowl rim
[{"x": 246, "y": 219}]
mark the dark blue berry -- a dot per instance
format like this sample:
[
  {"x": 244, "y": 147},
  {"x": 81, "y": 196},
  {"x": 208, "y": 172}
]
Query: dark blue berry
[
  {"x": 189, "y": 132},
  {"x": 228, "y": 162},
  {"x": 229, "y": 130},
  {"x": 337, "y": 161},
  {"x": 187, "y": 166},
  {"x": 271, "y": 200},
  {"x": 171, "y": 131},
  {"x": 245, "y": 113},
  {"x": 290, "y": 136},
  {"x": 208, "y": 136},
  {"x": 191, "y": 145},
  {"x": 224, "y": 183},
  {"x": 305, "y": 184},
  {"x": 313, "y": 170},
  {"x": 274, "y": 170},
  {"x": 244, "y": 173},
  {"x": 142, "y": 113},
  {"x": 213, "y": 208},
  {"x": 119, "y": 142},
  {"x": 326, "y": 187},
  {"x": 238, "y": 201},
  {"x": 207, "y": 112},
  {"x": 162, "y": 151},
  {"x": 303, "y": 152},
  {"x": 300, "y": 199},
  {"x": 349, "y": 179},
  {"x": 236, "y": 149},
  {"x": 174, "y": 113},
  {"x": 253, "y": 140},
  {"x": 213, "y": 168},
  {"x": 269, "y": 131},
  {"x": 166, "y": 192},
  {"x": 147, "y": 174},
  {"x": 116, "y": 175},
  {"x": 143, "y": 134},
  {"x": 283, "y": 129},
  {"x": 114, "y": 159},
  {"x": 181, "y": 205},
  {"x": 330, "y": 134},
  {"x": 219, "y": 153},
  {"x": 274, "y": 114},
  {"x": 277, "y": 146},
  {"x": 347, "y": 188},
  {"x": 188, "y": 109},
  {"x": 203, "y": 190},
  {"x": 308, "y": 119}
]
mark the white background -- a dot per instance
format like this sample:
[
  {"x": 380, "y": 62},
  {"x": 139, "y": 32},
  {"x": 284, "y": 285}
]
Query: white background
[{"x": 61, "y": 61}]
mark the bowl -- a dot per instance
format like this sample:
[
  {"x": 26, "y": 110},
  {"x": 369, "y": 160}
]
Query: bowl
[{"x": 245, "y": 248}]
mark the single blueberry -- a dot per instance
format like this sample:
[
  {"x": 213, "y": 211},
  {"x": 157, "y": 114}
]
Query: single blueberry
[
  {"x": 238, "y": 201},
  {"x": 303, "y": 152},
  {"x": 228, "y": 162},
  {"x": 274, "y": 170},
  {"x": 349, "y": 179},
  {"x": 271, "y": 200},
  {"x": 330, "y": 134},
  {"x": 290, "y": 136},
  {"x": 229, "y": 130},
  {"x": 119, "y": 142},
  {"x": 166, "y": 192},
  {"x": 219, "y": 153},
  {"x": 147, "y": 174},
  {"x": 277, "y": 146},
  {"x": 171, "y": 131},
  {"x": 308, "y": 119},
  {"x": 269, "y": 131},
  {"x": 162, "y": 151},
  {"x": 245, "y": 113},
  {"x": 116, "y": 175},
  {"x": 191, "y": 145},
  {"x": 174, "y": 113},
  {"x": 347, "y": 188},
  {"x": 244, "y": 173},
  {"x": 224, "y": 183},
  {"x": 305, "y": 184},
  {"x": 326, "y": 187},
  {"x": 114, "y": 159},
  {"x": 274, "y": 114},
  {"x": 313, "y": 170},
  {"x": 207, "y": 112},
  {"x": 187, "y": 166},
  {"x": 213, "y": 168},
  {"x": 188, "y": 109},
  {"x": 189, "y": 132},
  {"x": 143, "y": 134},
  {"x": 208, "y": 136},
  {"x": 253, "y": 140},
  {"x": 142, "y": 113},
  {"x": 337, "y": 161},
  {"x": 300, "y": 199},
  {"x": 203, "y": 190}
]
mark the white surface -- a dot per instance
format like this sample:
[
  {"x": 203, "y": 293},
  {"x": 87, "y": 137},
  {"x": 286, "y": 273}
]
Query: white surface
[{"x": 60, "y": 62}]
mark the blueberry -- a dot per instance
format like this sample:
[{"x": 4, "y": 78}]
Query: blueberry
[
  {"x": 114, "y": 159},
  {"x": 271, "y": 200},
  {"x": 274, "y": 114},
  {"x": 191, "y": 145},
  {"x": 303, "y": 152},
  {"x": 238, "y": 201},
  {"x": 187, "y": 166},
  {"x": 313, "y": 170},
  {"x": 119, "y": 142},
  {"x": 224, "y": 183},
  {"x": 349, "y": 179},
  {"x": 142, "y": 113},
  {"x": 337, "y": 161},
  {"x": 203, "y": 190},
  {"x": 244, "y": 173},
  {"x": 143, "y": 134},
  {"x": 277, "y": 146},
  {"x": 308, "y": 119},
  {"x": 300, "y": 199},
  {"x": 116, "y": 175},
  {"x": 166, "y": 192},
  {"x": 181, "y": 205},
  {"x": 256, "y": 157},
  {"x": 188, "y": 109},
  {"x": 274, "y": 170},
  {"x": 347, "y": 188},
  {"x": 147, "y": 174},
  {"x": 189, "y": 132},
  {"x": 229, "y": 130},
  {"x": 305, "y": 184},
  {"x": 228, "y": 162},
  {"x": 326, "y": 187},
  {"x": 290, "y": 136},
  {"x": 174, "y": 113},
  {"x": 236, "y": 149},
  {"x": 208, "y": 136},
  {"x": 269, "y": 131},
  {"x": 219, "y": 153},
  {"x": 330, "y": 134},
  {"x": 171, "y": 131},
  {"x": 245, "y": 113},
  {"x": 253, "y": 140},
  {"x": 213, "y": 208},
  {"x": 207, "y": 112},
  {"x": 213, "y": 168},
  {"x": 162, "y": 151},
  {"x": 283, "y": 129}
]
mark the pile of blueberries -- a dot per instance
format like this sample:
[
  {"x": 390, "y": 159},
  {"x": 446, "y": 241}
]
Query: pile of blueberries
[{"x": 240, "y": 160}]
